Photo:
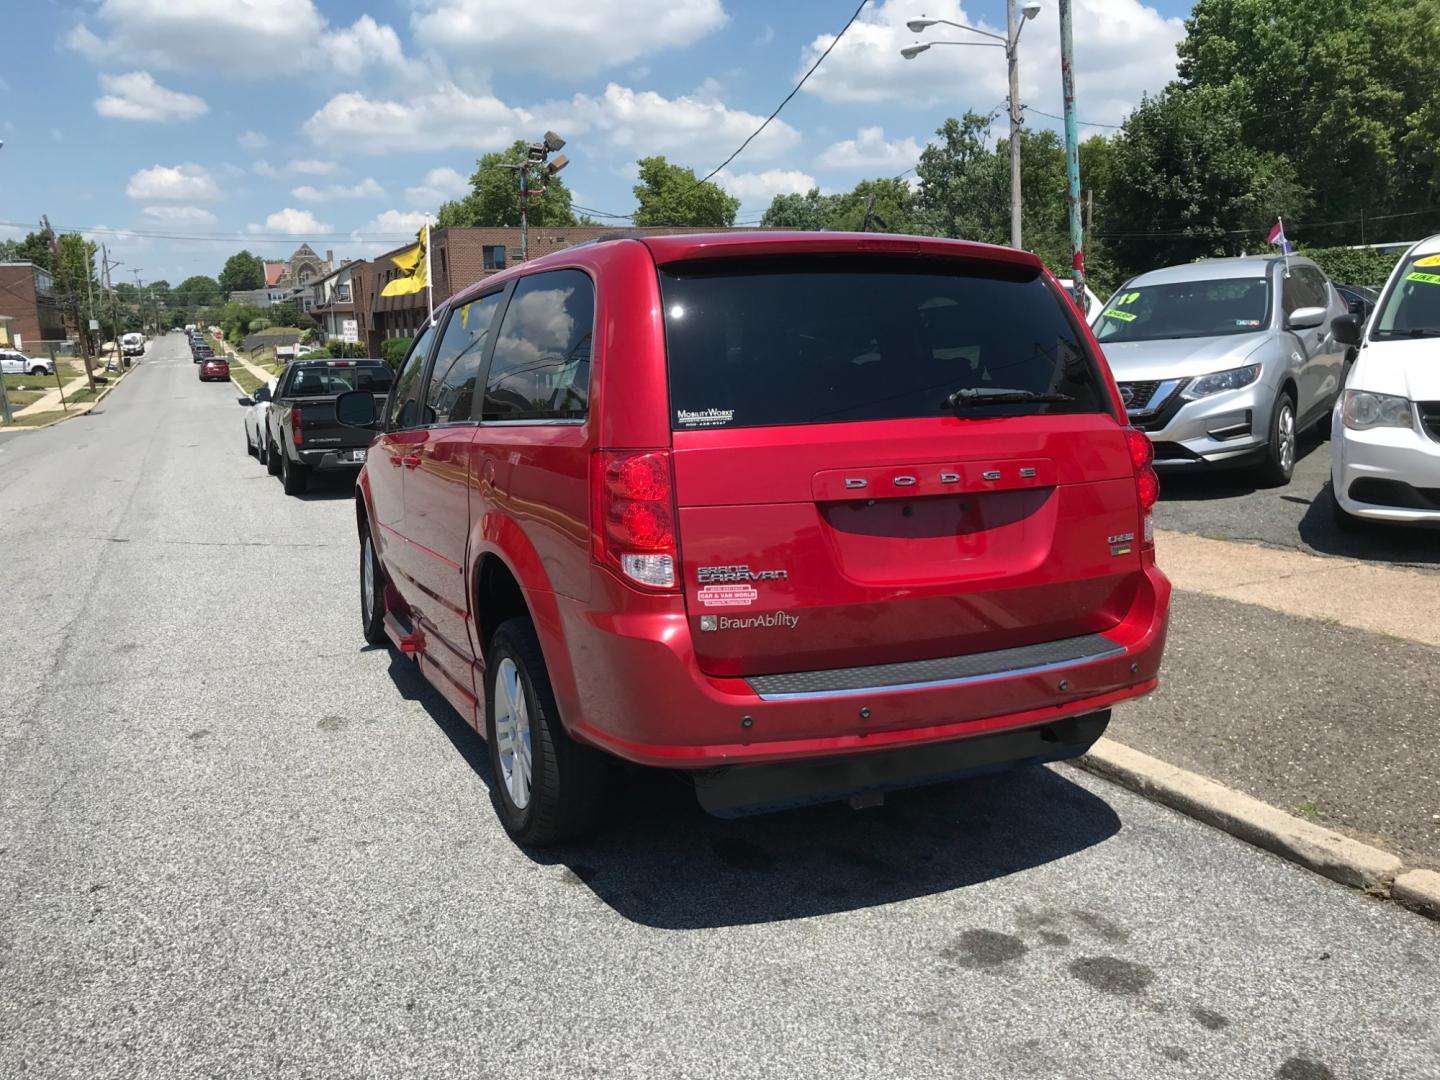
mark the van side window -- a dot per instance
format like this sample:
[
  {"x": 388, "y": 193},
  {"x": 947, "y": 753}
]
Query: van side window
[
  {"x": 451, "y": 397},
  {"x": 405, "y": 405},
  {"x": 541, "y": 364}
]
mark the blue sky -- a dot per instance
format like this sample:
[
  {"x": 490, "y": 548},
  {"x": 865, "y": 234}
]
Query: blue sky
[{"x": 179, "y": 131}]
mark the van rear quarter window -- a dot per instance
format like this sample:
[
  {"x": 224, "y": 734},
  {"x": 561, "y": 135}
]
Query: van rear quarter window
[{"x": 832, "y": 340}]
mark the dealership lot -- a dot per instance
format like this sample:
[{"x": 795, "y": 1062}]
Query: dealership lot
[{"x": 237, "y": 842}]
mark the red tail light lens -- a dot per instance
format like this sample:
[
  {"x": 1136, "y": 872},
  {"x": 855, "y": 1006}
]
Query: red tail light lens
[
  {"x": 634, "y": 517},
  {"x": 297, "y": 426},
  {"x": 1147, "y": 483}
]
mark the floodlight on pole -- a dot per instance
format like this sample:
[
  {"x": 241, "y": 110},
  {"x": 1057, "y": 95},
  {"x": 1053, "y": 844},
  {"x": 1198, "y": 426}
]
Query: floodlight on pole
[{"x": 553, "y": 142}]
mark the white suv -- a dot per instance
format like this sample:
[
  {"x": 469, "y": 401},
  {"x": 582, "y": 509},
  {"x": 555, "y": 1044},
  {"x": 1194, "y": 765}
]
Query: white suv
[
  {"x": 1385, "y": 449},
  {"x": 17, "y": 363}
]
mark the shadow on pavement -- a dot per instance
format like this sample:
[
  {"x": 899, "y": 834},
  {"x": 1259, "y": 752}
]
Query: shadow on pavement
[
  {"x": 661, "y": 861},
  {"x": 1371, "y": 541},
  {"x": 1200, "y": 485},
  {"x": 329, "y": 486}
]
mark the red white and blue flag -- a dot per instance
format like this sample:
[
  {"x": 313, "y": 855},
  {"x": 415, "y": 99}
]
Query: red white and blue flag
[{"x": 1277, "y": 237}]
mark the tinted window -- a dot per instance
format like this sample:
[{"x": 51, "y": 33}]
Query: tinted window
[
  {"x": 404, "y": 405},
  {"x": 842, "y": 340},
  {"x": 541, "y": 366},
  {"x": 1304, "y": 288},
  {"x": 457, "y": 360},
  {"x": 336, "y": 380},
  {"x": 1186, "y": 309}
]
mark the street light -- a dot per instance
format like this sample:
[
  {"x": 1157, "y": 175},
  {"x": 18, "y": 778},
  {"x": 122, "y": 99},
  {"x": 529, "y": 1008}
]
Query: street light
[
  {"x": 1010, "y": 42},
  {"x": 537, "y": 156}
]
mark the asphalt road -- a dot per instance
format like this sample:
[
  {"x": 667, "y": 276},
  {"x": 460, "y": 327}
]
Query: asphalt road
[
  {"x": 1227, "y": 504},
  {"x": 236, "y": 843}
]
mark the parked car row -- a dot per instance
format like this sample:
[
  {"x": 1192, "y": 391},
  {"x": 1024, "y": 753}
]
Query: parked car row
[
  {"x": 1224, "y": 362},
  {"x": 290, "y": 423}
]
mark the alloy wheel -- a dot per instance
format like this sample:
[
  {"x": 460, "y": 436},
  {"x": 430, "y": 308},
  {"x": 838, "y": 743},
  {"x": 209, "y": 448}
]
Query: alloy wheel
[
  {"x": 367, "y": 577},
  {"x": 512, "y": 733},
  {"x": 1286, "y": 426}
]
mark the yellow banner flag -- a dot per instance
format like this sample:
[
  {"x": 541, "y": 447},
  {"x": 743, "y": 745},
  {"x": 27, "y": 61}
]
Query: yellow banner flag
[{"x": 412, "y": 262}]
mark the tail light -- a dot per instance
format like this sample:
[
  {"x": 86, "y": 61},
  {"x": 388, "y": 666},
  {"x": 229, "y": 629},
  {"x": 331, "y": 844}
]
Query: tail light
[
  {"x": 1147, "y": 483},
  {"x": 297, "y": 425},
  {"x": 633, "y": 508}
]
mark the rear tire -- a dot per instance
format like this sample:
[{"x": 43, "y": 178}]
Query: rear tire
[
  {"x": 250, "y": 446},
  {"x": 1279, "y": 465},
  {"x": 272, "y": 458},
  {"x": 546, "y": 787},
  {"x": 37, "y": 371},
  {"x": 372, "y": 591},
  {"x": 292, "y": 475}
]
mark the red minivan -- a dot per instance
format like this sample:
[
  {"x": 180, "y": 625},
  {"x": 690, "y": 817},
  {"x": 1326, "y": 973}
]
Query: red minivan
[{"x": 808, "y": 516}]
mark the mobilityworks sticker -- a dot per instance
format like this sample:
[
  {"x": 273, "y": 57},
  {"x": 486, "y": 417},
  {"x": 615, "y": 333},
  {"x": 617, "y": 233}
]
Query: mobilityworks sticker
[{"x": 704, "y": 417}]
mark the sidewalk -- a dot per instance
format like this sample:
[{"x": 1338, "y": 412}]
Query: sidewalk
[
  {"x": 234, "y": 357},
  {"x": 1310, "y": 683},
  {"x": 51, "y": 401}
]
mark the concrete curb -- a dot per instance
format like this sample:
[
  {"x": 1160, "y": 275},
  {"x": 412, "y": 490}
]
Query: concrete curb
[
  {"x": 1418, "y": 890},
  {"x": 1315, "y": 847}
]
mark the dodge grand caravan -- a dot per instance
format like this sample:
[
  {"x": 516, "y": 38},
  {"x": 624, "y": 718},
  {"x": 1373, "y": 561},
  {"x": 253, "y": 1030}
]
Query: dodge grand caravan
[{"x": 808, "y": 516}]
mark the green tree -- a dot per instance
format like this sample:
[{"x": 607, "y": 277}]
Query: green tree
[
  {"x": 494, "y": 199},
  {"x": 811, "y": 211},
  {"x": 1184, "y": 185},
  {"x": 283, "y": 314},
  {"x": 961, "y": 183},
  {"x": 1349, "y": 97},
  {"x": 197, "y": 292},
  {"x": 672, "y": 195},
  {"x": 892, "y": 209},
  {"x": 242, "y": 271}
]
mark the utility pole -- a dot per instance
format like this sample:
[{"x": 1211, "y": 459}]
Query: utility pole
[
  {"x": 71, "y": 303},
  {"x": 536, "y": 157},
  {"x": 1072, "y": 154},
  {"x": 1013, "y": 63},
  {"x": 114, "y": 307},
  {"x": 524, "y": 212}
]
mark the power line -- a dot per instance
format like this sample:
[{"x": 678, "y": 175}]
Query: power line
[
  {"x": 1082, "y": 123},
  {"x": 820, "y": 60}
]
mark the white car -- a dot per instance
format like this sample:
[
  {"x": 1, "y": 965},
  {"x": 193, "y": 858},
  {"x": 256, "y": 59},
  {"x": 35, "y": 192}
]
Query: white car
[
  {"x": 256, "y": 410},
  {"x": 1385, "y": 430},
  {"x": 1093, "y": 303},
  {"x": 17, "y": 363}
]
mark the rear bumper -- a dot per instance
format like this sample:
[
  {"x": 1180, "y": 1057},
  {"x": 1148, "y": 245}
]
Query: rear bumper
[
  {"x": 636, "y": 691},
  {"x": 330, "y": 458}
]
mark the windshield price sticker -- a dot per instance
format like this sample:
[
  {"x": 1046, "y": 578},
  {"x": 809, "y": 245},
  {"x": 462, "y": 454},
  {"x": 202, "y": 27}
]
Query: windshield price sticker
[
  {"x": 1427, "y": 279},
  {"x": 1429, "y": 260},
  {"x": 1128, "y": 298},
  {"x": 1123, "y": 316}
]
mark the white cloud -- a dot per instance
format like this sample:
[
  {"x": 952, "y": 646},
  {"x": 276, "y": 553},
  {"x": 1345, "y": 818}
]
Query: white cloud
[
  {"x": 291, "y": 222},
  {"x": 385, "y": 232},
  {"x": 251, "y": 39},
  {"x": 264, "y": 168},
  {"x": 364, "y": 44},
  {"x": 685, "y": 129},
  {"x": 447, "y": 119},
  {"x": 761, "y": 187},
  {"x": 177, "y": 216},
  {"x": 1122, "y": 49},
  {"x": 438, "y": 186},
  {"x": 256, "y": 38},
  {"x": 311, "y": 167},
  {"x": 366, "y": 189},
  {"x": 870, "y": 150},
  {"x": 137, "y": 96},
  {"x": 564, "y": 37},
  {"x": 178, "y": 182},
  {"x": 401, "y": 223},
  {"x": 252, "y": 140}
]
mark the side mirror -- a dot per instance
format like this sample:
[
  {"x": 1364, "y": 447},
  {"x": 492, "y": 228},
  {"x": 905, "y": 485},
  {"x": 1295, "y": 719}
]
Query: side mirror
[
  {"x": 356, "y": 408},
  {"x": 262, "y": 394},
  {"x": 1346, "y": 329},
  {"x": 245, "y": 402},
  {"x": 1304, "y": 318}
]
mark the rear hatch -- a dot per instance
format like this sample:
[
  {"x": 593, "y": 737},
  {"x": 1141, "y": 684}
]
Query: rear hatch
[{"x": 838, "y": 507}]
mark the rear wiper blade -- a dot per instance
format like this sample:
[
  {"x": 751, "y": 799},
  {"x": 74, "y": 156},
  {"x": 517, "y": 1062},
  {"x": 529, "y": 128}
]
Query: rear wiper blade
[{"x": 995, "y": 395}]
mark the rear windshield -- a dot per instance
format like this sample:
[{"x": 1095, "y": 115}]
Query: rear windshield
[
  {"x": 840, "y": 340},
  {"x": 1186, "y": 309},
  {"x": 337, "y": 380}
]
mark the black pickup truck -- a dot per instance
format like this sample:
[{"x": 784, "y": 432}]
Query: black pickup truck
[{"x": 301, "y": 431}]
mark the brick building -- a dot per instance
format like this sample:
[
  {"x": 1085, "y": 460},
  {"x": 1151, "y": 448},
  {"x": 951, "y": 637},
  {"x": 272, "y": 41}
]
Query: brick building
[
  {"x": 461, "y": 257},
  {"x": 27, "y": 297}
]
